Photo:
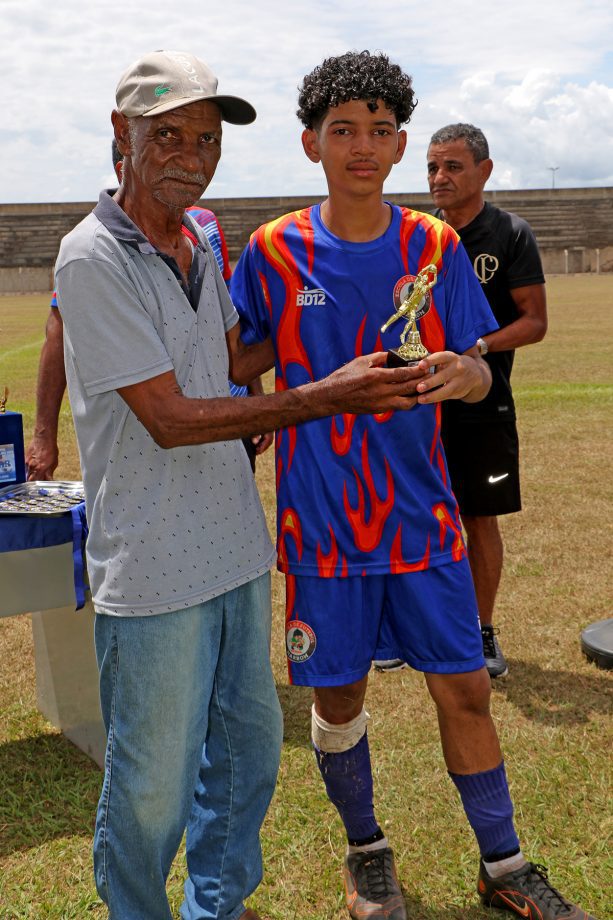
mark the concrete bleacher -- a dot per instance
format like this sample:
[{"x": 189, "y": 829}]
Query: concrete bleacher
[
  {"x": 574, "y": 228},
  {"x": 561, "y": 218}
]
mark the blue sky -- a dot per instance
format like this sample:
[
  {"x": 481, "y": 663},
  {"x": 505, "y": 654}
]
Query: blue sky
[{"x": 537, "y": 78}]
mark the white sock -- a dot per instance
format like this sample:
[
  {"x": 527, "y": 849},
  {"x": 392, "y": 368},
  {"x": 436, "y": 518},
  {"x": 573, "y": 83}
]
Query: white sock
[
  {"x": 502, "y": 866},
  {"x": 377, "y": 845}
]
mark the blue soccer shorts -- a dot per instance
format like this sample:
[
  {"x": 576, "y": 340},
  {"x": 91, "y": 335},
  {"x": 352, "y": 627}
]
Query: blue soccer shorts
[{"x": 335, "y": 627}]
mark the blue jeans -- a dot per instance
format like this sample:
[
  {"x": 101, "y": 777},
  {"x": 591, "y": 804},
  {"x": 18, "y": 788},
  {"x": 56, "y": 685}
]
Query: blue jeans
[{"x": 194, "y": 738}]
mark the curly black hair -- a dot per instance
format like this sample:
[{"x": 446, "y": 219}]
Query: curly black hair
[{"x": 355, "y": 75}]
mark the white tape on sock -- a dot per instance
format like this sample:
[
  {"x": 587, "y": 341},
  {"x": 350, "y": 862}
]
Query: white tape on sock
[
  {"x": 502, "y": 866},
  {"x": 334, "y": 739}
]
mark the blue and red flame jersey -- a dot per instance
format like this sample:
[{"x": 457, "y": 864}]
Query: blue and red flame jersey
[{"x": 358, "y": 495}]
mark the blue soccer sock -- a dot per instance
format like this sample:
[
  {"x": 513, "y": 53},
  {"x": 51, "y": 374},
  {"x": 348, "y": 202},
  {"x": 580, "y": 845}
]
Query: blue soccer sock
[
  {"x": 489, "y": 809},
  {"x": 348, "y": 779}
]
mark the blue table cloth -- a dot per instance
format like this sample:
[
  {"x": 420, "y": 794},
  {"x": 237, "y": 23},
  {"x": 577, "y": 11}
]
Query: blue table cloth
[{"x": 30, "y": 531}]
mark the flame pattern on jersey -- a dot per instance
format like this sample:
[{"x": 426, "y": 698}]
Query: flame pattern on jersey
[
  {"x": 367, "y": 533},
  {"x": 358, "y": 495},
  {"x": 327, "y": 562}
]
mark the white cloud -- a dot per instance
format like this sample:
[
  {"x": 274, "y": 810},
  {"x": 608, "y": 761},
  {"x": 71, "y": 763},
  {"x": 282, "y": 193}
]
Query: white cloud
[
  {"x": 525, "y": 73},
  {"x": 538, "y": 123}
]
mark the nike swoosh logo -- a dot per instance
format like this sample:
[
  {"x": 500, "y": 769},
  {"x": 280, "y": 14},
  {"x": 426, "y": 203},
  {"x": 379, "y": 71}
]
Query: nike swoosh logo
[
  {"x": 494, "y": 479},
  {"x": 523, "y": 910}
]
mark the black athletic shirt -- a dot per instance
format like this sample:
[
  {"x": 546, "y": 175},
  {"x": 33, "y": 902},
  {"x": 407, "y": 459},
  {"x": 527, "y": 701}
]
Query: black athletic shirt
[{"x": 504, "y": 255}]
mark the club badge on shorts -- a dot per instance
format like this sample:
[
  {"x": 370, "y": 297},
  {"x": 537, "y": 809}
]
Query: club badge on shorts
[{"x": 300, "y": 641}]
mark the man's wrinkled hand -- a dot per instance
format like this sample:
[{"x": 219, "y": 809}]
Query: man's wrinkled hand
[
  {"x": 42, "y": 458},
  {"x": 365, "y": 385}
]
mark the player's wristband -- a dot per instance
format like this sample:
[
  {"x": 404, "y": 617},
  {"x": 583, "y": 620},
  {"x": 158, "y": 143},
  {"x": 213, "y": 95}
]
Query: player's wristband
[{"x": 482, "y": 346}]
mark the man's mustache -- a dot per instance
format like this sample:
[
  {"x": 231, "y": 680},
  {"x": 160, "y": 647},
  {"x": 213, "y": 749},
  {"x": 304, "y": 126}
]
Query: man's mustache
[{"x": 182, "y": 176}]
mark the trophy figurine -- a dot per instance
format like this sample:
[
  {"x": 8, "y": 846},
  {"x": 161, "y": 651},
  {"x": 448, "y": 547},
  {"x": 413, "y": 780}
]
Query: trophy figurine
[{"x": 415, "y": 304}]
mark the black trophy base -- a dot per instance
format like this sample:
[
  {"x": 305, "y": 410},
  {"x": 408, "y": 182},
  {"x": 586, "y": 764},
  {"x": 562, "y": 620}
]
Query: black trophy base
[{"x": 394, "y": 359}]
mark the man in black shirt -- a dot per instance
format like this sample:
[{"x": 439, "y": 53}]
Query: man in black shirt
[{"x": 481, "y": 438}]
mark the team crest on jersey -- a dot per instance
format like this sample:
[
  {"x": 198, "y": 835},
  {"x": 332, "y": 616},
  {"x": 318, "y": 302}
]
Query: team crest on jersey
[
  {"x": 404, "y": 288},
  {"x": 485, "y": 267},
  {"x": 300, "y": 641},
  {"x": 314, "y": 297}
]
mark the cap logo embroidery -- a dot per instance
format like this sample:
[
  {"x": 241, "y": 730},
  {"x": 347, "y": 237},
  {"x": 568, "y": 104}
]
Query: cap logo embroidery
[
  {"x": 161, "y": 90},
  {"x": 189, "y": 71}
]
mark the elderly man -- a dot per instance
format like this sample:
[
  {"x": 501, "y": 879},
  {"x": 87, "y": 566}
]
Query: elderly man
[
  {"x": 178, "y": 551},
  {"x": 42, "y": 454}
]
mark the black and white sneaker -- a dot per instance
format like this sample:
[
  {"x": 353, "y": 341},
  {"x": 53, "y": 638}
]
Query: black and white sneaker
[
  {"x": 371, "y": 886},
  {"x": 528, "y": 893},
  {"x": 495, "y": 662}
]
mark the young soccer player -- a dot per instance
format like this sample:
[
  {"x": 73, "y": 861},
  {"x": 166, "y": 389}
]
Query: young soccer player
[{"x": 368, "y": 529}]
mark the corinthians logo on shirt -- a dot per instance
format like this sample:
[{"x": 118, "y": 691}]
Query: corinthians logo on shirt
[
  {"x": 485, "y": 267},
  {"x": 314, "y": 297}
]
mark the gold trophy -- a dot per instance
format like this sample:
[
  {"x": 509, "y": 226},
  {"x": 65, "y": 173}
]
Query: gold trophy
[{"x": 415, "y": 304}]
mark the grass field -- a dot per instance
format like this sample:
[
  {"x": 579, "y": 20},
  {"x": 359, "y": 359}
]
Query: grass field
[{"x": 553, "y": 711}]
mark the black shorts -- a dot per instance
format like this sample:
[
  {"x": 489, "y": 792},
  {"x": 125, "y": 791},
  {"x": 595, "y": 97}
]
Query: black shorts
[{"x": 483, "y": 461}]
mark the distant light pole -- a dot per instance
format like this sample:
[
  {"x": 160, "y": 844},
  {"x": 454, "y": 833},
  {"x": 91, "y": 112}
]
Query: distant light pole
[{"x": 553, "y": 175}]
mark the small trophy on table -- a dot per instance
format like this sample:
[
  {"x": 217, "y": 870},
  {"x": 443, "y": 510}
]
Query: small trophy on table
[
  {"x": 12, "y": 461},
  {"x": 415, "y": 304}
]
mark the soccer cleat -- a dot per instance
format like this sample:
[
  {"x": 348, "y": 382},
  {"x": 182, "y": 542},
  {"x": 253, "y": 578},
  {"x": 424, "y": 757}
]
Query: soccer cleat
[
  {"x": 372, "y": 891},
  {"x": 495, "y": 662},
  {"x": 390, "y": 664},
  {"x": 528, "y": 894}
]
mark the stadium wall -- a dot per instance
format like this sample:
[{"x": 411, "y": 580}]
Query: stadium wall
[{"x": 574, "y": 229}]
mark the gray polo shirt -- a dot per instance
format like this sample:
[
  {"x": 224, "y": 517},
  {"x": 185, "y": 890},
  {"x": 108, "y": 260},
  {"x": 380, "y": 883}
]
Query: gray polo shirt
[{"x": 168, "y": 528}]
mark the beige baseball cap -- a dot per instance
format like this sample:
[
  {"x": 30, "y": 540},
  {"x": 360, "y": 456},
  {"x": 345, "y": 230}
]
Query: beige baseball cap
[{"x": 164, "y": 80}]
